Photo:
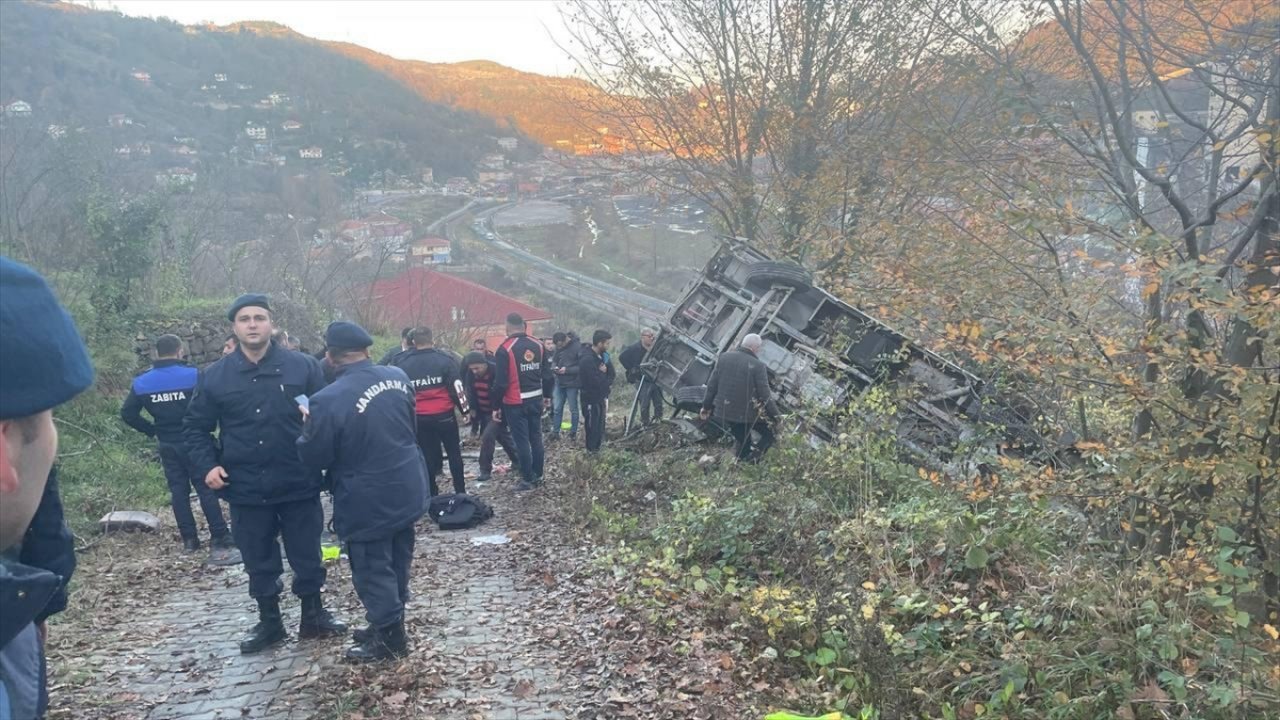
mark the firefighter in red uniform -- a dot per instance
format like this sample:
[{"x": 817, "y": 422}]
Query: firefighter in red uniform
[
  {"x": 438, "y": 391},
  {"x": 523, "y": 382}
]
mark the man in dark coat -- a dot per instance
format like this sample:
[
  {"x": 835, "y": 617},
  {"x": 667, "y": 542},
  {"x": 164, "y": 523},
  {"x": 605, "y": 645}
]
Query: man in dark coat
[
  {"x": 164, "y": 392},
  {"x": 648, "y": 394},
  {"x": 736, "y": 393},
  {"x": 361, "y": 430},
  {"x": 43, "y": 364},
  {"x": 564, "y": 364},
  {"x": 596, "y": 373},
  {"x": 251, "y": 397},
  {"x": 438, "y": 392},
  {"x": 478, "y": 377},
  {"x": 406, "y": 344},
  {"x": 522, "y": 382}
]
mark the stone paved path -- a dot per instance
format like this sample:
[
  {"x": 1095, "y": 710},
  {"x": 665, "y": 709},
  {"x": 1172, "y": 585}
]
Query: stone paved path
[{"x": 172, "y": 652}]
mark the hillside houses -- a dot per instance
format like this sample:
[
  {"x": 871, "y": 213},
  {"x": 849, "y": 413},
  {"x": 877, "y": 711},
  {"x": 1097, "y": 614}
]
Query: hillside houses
[
  {"x": 255, "y": 131},
  {"x": 290, "y": 126},
  {"x": 141, "y": 76},
  {"x": 177, "y": 178},
  {"x": 429, "y": 250},
  {"x": 313, "y": 152},
  {"x": 17, "y": 109},
  {"x": 381, "y": 233}
]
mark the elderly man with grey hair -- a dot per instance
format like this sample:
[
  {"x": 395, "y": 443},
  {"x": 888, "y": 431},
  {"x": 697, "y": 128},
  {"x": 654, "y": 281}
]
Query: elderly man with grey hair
[
  {"x": 737, "y": 393},
  {"x": 650, "y": 395}
]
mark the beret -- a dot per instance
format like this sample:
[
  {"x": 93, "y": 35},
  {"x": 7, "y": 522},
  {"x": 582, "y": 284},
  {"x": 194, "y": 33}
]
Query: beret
[
  {"x": 475, "y": 358},
  {"x": 43, "y": 361},
  {"x": 344, "y": 334},
  {"x": 248, "y": 300}
]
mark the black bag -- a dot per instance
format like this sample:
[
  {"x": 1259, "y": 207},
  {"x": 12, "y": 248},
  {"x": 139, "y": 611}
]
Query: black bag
[{"x": 458, "y": 512}]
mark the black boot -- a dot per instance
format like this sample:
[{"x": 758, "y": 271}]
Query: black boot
[
  {"x": 222, "y": 542},
  {"x": 383, "y": 643},
  {"x": 269, "y": 630},
  {"x": 362, "y": 635},
  {"x": 191, "y": 544},
  {"x": 316, "y": 621}
]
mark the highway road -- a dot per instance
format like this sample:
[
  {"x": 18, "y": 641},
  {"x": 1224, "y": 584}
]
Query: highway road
[{"x": 591, "y": 293}]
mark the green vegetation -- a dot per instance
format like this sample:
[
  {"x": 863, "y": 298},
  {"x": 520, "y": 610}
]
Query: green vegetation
[{"x": 868, "y": 584}]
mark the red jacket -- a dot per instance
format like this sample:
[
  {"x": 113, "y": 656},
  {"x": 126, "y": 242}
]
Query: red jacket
[
  {"x": 437, "y": 389},
  {"x": 524, "y": 372}
]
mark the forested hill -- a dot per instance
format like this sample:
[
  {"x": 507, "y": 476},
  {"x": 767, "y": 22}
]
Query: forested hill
[
  {"x": 544, "y": 107},
  {"x": 157, "y": 81}
]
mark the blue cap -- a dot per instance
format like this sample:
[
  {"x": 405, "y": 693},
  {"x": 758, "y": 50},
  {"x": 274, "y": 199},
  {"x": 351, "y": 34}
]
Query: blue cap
[
  {"x": 248, "y": 300},
  {"x": 346, "y": 335},
  {"x": 43, "y": 361}
]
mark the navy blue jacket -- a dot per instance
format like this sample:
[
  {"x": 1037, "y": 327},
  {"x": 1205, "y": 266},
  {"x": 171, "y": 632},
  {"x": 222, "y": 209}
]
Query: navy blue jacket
[
  {"x": 259, "y": 422},
  {"x": 24, "y": 593},
  {"x": 49, "y": 545},
  {"x": 163, "y": 391},
  {"x": 362, "y": 430},
  {"x": 33, "y": 586}
]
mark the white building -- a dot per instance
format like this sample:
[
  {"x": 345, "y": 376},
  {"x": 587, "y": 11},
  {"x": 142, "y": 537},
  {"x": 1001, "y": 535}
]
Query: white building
[
  {"x": 257, "y": 132},
  {"x": 18, "y": 109},
  {"x": 314, "y": 152}
]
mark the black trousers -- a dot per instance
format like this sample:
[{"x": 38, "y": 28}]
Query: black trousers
[
  {"x": 255, "y": 529},
  {"x": 380, "y": 574},
  {"x": 593, "y": 421},
  {"x": 650, "y": 401},
  {"x": 742, "y": 437},
  {"x": 433, "y": 434},
  {"x": 181, "y": 477},
  {"x": 491, "y": 434},
  {"x": 525, "y": 423}
]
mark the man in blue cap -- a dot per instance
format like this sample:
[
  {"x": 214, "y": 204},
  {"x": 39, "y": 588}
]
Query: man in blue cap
[
  {"x": 43, "y": 364},
  {"x": 361, "y": 430},
  {"x": 163, "y": 392},
  {"x": 251, "y": 397}
]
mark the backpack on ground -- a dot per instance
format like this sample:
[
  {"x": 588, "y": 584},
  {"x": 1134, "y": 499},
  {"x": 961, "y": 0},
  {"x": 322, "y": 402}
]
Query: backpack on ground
[{"x": 458, "y": 512}]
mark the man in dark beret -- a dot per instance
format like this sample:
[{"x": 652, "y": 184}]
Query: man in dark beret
[
  {"x": 43, "y": 363},
  {"x": 251, "y": 397},
  {"x": 361, "y": 430}
]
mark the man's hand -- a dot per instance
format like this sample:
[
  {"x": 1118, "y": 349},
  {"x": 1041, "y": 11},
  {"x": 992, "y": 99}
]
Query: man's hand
[
  {"x": 497, "y": 416},
  {"x": 306, "y": 414},
  {"x": 546, "y": 403},
  {"x": 217, "y": 478},
  {"x": 559, "y": 371},
  {"x": 704, "y": 414},
  {"x": 466, "y": 419}
]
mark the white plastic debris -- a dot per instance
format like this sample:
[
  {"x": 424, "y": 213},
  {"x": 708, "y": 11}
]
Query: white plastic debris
[{"x": 490, "y": 540}]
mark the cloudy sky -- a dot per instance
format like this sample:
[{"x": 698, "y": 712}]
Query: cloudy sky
[{"x": 518, "y": 33}]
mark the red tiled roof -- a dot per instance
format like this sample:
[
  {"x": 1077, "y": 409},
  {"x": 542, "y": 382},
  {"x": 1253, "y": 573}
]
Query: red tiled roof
[
  {"x": 431, "y": 241},
  {"x": 420, "y": 296}
]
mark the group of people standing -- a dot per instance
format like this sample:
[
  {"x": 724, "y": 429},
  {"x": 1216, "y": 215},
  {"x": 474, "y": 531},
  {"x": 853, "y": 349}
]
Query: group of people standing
[{"x": 266, "y": 428}]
